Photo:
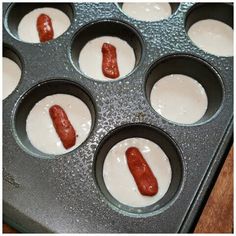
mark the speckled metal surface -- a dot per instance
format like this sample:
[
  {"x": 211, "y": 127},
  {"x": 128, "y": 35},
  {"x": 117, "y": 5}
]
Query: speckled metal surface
[{"x": 61, "y": 194}]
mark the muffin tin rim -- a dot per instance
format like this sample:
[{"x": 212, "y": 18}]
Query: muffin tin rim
[
  {"x": 11, "y": 5},
  {"x": 110, "y": 20},
  {"x": 179, "y": 156},
  {"x": 42, "y": 155},
  {"x": 186, "y": 32},
  {"x": 202, "y": 60}
]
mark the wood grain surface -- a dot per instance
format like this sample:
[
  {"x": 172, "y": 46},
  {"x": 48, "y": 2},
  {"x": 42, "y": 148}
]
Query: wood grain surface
[
  {"x": 217, "y": 215},
  {"x": 8, "y": 229}
]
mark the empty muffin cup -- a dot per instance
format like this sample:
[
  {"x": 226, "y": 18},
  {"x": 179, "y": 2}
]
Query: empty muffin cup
[
  {"x": 38, "y": 22},
  {"x": 115, "y": 179},
  {"x": 184, "y": 89},
  {"x": 88, "y": 54},
  {"x": 39, "y": 123},
  {"x": 210, "y": 27}
]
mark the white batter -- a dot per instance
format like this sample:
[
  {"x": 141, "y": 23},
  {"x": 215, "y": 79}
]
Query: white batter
[
  {"x": 213, "y": 36},
  {"x": 179, "y": 98},
  {"x": 40, "y": 129},
  {"x": 147, "y": 11},
  {"x": 27, "y": 29},
  {"x": 11, "y": 76},
  {"x": 90, "y": 58},
  {"x": 119, "y": 180}
]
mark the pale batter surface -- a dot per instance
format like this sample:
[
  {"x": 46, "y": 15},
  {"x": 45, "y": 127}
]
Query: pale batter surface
[
  {"x": 27, "y": 28},
  {"x": 147, "y": 11},
  {"x": 90, "y": 58},
  {"x": 11, "y": 74},
  {"x": 213, "y": 36},
  {"x": 179, "y": 98},
  {"x": 40, "y": 129},
  {"x": 119, "y": 180}
]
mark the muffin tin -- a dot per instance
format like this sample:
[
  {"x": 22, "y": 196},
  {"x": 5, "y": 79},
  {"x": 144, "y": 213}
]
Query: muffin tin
[{"x": 66, "y": 193}]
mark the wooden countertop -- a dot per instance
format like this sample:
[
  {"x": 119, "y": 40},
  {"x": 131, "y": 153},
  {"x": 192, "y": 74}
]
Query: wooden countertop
[{"x": 217, "y": 215}]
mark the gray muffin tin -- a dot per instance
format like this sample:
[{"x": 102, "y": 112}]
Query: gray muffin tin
[{"x": 66, "y": 193}]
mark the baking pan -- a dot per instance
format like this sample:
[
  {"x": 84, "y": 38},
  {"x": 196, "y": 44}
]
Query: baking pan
[{"x": 66, "y": 193}]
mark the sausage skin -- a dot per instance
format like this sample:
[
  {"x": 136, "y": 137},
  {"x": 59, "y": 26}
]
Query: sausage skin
[
  {"x": 109, "y": 62},
  {"x": 143, "y": 176},
  {"x": 44, "y": 27},
  {"x": 62, "y": 126}
]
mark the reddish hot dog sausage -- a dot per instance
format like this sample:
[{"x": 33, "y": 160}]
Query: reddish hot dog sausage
[
  {"x": 109, "y": 62},
  {"x": 62, "y": 126},
  {"x": 139, "y": 168},
  {"x": 44, "y": 27}
]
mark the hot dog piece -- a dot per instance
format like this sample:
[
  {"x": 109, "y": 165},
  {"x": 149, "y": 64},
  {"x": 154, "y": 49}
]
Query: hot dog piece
[
  {"x": 139, "y": 168},
  {"x": 44, "y": 27},
  {"x": 109, "y": 62},
  {"x": 63, "y": 126}
]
